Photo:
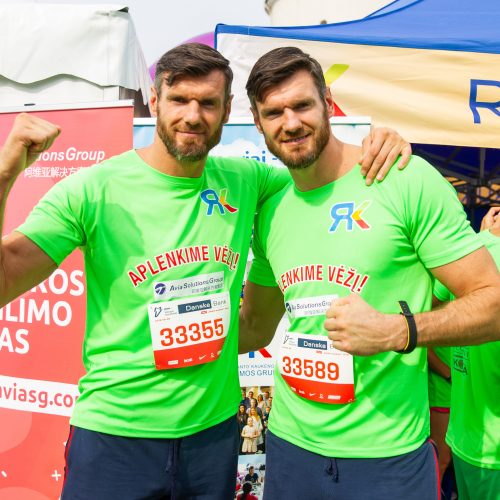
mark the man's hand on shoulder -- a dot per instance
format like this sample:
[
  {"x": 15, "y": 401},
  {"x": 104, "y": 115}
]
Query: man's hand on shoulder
[
  {"x": 380, "y": 149},
  {"x": 28, "y": 137},
  {"x": 492, "y": 219}
]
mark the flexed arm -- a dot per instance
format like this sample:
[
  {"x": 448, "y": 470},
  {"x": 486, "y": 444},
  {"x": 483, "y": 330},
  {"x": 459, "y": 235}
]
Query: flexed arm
[
  {"x": 22, "y": 263},
  {"x": 356, "y": 327}
]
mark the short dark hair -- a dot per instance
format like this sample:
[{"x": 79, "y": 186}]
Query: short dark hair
[
  {"x": 192, "y": 59},
  {"x": 276, "y": 66},
  {"x": 247, "y": 487}
]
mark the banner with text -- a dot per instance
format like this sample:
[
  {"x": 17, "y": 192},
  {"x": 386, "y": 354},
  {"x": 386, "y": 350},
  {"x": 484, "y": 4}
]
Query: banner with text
[{"x": 41, "y": 333}]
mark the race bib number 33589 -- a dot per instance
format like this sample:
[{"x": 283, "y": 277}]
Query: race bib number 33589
[
  {"x": 315, "y": 370},
  {"x": 188, "y": 332}
]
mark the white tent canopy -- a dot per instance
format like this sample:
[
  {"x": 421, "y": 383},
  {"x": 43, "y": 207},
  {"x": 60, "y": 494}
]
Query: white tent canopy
[{"x": 69, "y": 53}]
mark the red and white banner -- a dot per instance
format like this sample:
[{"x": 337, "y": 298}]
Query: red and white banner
[{"x": 41, "y": 333}]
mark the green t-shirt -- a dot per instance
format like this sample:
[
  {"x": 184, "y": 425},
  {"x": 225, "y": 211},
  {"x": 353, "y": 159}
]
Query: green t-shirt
[
  {"x": 378, "y": 241},
  {"x": 439, "y": 388},
  {"x": 126, "y": 217},
  {"x": 474, "y": 429}
]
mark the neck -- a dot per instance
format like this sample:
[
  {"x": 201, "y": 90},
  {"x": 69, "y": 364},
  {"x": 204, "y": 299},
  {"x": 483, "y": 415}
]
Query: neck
[
  {"x": 495, "y": 231},
  {"x": 335, "y": 160},
  {"x": 157, "y": 156}
]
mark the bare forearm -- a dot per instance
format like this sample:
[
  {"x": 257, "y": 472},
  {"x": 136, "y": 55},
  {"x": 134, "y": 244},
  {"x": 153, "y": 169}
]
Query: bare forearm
[
  {"x": 14, "y": 262},
  {"x": 251, "y": 336},
  {"x": 357, "y": 328},
  {"x": 437, "y": 366},
  {"x": 470, "y": 320},
  {"x": 22, "y": 263},
  {"x": 260, "y": 314},
  {"x": 5, "y": 187}
]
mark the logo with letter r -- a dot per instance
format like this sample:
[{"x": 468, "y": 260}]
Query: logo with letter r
[
  {"x": 212, "y": 199},
  {"x": 348, "y": 213},
  {"x": 493, "y": 106}
]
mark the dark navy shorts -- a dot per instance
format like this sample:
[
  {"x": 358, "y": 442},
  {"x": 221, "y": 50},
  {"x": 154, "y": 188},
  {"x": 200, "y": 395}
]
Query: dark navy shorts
[
  {"x": 295, "y": 473},
  {"x": 106, "y": 467}
]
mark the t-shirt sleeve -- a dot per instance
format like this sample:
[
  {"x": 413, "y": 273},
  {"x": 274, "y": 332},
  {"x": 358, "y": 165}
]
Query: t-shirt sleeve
[
  {"x": 272, "y": 180},
  {"x": 492, "y": 244},
  {"x": 435, "y": 218},
  {"x": 261, "y": 272},
  {"x": 54, "y": 223},
  {"x": 441, "y": 292}
]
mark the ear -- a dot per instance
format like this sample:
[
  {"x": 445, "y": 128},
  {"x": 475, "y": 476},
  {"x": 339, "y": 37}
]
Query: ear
[
  {"x": 330, "y": 108},
  {"x": 227, "y": 111},
  {"x": 256, "y": 120},
  {"x": 153, "y": 101}
]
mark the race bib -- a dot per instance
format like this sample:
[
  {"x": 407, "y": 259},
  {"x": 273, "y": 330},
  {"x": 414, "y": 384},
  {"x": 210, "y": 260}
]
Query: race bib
[
  {"x": 315, "y": 370},
  {"x": 188, "y": 332}
]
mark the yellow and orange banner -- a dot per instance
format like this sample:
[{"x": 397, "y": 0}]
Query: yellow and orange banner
[{"x": 429, "y": 96}]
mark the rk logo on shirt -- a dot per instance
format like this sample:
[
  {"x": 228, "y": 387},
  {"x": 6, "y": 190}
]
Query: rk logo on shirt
[
  {"x": 348, "y": 213},
  {"x": 210, "y": 197}
]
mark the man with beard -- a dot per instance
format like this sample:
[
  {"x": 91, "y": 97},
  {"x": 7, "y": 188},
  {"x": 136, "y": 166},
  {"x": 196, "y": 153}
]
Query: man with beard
[
  {"x": 350, "y": 409},
  {"x": 164, "y": 231}
]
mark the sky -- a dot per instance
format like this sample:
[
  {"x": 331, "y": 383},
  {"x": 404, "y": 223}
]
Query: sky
[{"x": 163, "y": 24}]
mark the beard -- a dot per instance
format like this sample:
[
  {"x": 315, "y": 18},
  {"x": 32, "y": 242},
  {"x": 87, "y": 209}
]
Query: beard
[
  {"x": 302, "y": 160},
  {"x": 189, "y": 151}
]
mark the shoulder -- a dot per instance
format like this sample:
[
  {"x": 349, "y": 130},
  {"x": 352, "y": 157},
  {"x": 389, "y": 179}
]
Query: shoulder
[
  {"x": 118, "y": 164},
  {"x": 234, "y": 164},
  {"x": 278, "y": 198},
  {"x": 275, "y": 205},
  {"x": 419, "y": 182},
  {"x": 100, "y": 172},
  {"x": 417, "y": 170},
  {"x": 245, "y": 168}
]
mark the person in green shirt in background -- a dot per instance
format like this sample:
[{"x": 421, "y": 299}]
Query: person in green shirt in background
[
  {"x": 439, "y": 359},
  {"x": 474, "y": 428}
]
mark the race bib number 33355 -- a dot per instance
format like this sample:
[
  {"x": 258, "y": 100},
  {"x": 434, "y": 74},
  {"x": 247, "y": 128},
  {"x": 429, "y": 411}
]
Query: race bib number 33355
[
  {"x": 315, "y": 370},
  {"x": 188, "y": 332}
]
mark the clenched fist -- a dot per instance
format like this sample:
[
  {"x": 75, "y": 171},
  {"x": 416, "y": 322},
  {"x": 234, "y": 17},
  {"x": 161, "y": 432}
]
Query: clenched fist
[
  {"x": 28, "y": 137},
  {"x": 357, "y": 328}
]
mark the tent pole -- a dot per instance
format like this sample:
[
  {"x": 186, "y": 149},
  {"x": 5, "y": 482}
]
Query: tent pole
[{"x": 482, "y": 161}]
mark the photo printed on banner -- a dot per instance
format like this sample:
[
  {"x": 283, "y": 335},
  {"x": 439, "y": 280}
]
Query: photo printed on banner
[
  {"x": 250, "y": 478},
  {"x": 252, "y": 416}
]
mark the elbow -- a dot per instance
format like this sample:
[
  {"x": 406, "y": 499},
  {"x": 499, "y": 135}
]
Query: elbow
[{"x": 496, "y": 313}]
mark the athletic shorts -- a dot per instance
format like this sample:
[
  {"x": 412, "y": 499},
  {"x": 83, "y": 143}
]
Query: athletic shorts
[
  {"x": 476, "y": 483},
  {"x": 106, "y": 467},
  {"x": 295, "y": 473}
]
